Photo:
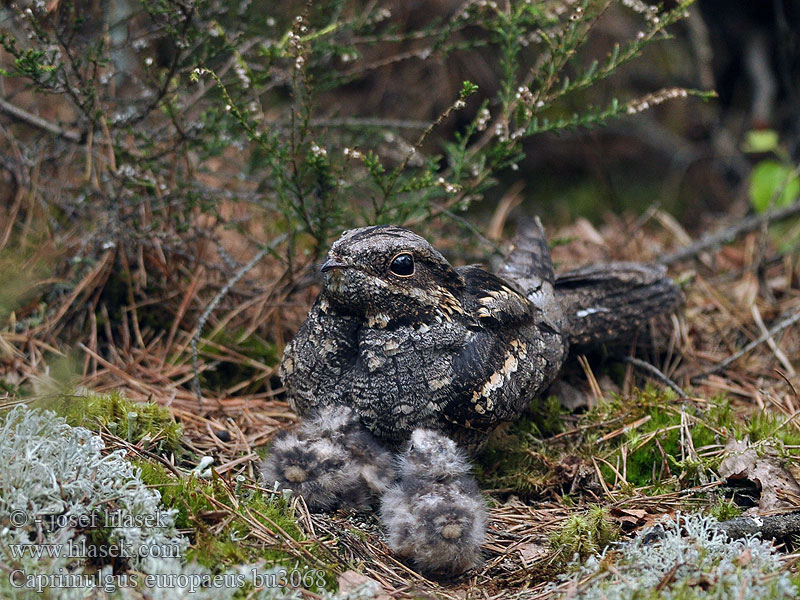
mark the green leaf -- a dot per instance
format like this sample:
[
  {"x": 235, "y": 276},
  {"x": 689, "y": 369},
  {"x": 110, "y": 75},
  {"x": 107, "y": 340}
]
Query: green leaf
[
  {"x": 773, "y": 182},
  {"x": 758, "y": 141},
  {"x": 467, "y": 89}
]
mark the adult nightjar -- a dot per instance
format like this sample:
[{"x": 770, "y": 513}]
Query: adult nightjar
[{"x": 409, "y": 341}]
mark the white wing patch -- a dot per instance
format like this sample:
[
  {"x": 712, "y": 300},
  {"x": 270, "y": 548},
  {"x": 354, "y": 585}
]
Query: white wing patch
[
  {"x": 378, "y": 320},
  {"x": 504, "y": 300},
  {"x": 585, "y": 312}
]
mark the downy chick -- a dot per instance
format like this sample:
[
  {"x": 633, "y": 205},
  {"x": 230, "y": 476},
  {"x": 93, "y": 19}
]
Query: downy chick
[{"x": 435, "y": 516}]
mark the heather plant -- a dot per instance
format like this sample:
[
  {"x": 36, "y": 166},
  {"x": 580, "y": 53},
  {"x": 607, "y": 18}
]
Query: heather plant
[
  {"x": 323, "y": 178},
  {"x": 167, "y": 122},
  {"x": 165, "y": 143}
]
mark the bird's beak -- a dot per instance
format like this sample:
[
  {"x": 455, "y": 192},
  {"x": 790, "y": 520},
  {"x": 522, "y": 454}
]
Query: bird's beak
[{"x": 332, "y": 263}]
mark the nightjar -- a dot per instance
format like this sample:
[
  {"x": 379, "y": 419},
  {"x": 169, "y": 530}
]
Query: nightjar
[
  {"x": 317, "y": 469},
  {"x": 332, "y": 460},
  {"x": 435, "y": 515},
  {"x": 409, "y": 341}
]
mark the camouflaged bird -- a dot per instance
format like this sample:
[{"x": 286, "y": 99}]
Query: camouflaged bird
[
  {"x": 409, "y": 341},
  {"x": 435, "y": 514}
]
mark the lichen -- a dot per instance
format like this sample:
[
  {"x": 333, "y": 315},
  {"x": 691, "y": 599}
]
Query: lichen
[
  {"x": 76, "y": 518},
  {"x": 681, "y": 559},
  {"x": 88, "y": 512}
]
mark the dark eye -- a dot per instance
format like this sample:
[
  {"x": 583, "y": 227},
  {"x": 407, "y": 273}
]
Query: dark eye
[{"x": 402, "y": 265}]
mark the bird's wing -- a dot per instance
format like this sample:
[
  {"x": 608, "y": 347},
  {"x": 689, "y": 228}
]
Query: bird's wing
[
  {"x": 492, "y": 301},
  {"x": 318, "y": 357},
  {"x": 502, "y": 353}
]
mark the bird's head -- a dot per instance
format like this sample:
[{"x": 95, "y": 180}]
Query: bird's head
[{"x": 388, "y": 275}]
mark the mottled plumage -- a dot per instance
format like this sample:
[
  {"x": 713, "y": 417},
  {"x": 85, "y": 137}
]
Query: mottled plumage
[
  {"x": 408, "y": 341},
  {"x": 342, "y": 426},
  {"x": 435, "y": 517},
  {"x": 431, "y": 456}
]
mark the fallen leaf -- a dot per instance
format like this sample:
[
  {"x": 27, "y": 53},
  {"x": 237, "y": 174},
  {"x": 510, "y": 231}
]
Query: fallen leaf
[
  {"x": 742, "y": 462},
  {"x": 530, "y": 553},
  {"x": 629, "y": 518}
]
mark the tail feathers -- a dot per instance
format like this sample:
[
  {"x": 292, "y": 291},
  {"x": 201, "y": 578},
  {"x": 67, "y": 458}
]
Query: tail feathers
[
  {"x": 528, "y": 263},
  {"x": 601, "y": 303}
]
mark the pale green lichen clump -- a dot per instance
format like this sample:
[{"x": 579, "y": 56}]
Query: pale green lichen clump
[
  {"x": 61, "y": 497},
  {"x": 683, "y": 559},
  {"x": 68, "y": 511}
]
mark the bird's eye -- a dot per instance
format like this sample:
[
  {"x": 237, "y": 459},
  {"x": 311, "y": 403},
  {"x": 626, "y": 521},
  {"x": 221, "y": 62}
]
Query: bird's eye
[{"x": 402, "y": 265}]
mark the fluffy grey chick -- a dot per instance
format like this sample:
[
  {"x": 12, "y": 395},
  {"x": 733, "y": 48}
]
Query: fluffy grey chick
[
  {"x": 431, "y": 456},
  {"x": 317, "y": 469},
  {"x": 332, "y": 460},
  {"x": 375, "y": 465},
  {"x": 435, "y": 516}
]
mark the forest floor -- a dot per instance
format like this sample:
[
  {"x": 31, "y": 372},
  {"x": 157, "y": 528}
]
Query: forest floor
[{"x": 644, "y": 443}]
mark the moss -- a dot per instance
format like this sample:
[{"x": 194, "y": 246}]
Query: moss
[
  {"x": 516, "y": 460},
  {"x": 113, "y": 411},
  {"x": 526, "y": 460},
  {"x": 548, "y": 416},
  {"x": 766, "y": 425},
  {"x": 584, "y": 534},
  {"x": 513, "y": 467},
  {"x": 725, "y": 509},
  {"x": 651, "y": 452},
  {"x": 218, "y": 525},
  {"x": 10, "y": 388}
]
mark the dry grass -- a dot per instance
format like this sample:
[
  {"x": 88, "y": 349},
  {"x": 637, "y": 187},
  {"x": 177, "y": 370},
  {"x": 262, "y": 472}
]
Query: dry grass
[{"x": 732, "y": 296}]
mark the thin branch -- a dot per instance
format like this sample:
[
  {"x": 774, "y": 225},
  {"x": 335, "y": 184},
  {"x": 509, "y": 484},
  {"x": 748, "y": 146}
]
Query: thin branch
[
  {"x": 655, "y": 373},
  {"x": 746, "y": 225},
  {"x": 355, "y": 122},
  {"x": 787, "y": 322},
  {"x": 781, "y": 527},
  {"x": 35, "y": 121},
  {"x": 201, "y": 322}
]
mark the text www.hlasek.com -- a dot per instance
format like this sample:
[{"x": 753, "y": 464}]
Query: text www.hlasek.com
[{"x": 79, "y": 549}]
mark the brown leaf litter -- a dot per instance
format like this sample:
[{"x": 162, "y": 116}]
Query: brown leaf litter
[{"x": 732, "y": 295}]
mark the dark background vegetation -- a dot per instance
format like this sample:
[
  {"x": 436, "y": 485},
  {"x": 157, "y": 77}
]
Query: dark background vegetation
[
  {"x": 173, "y": 171},
  {"x": 152, "y": 150}
]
